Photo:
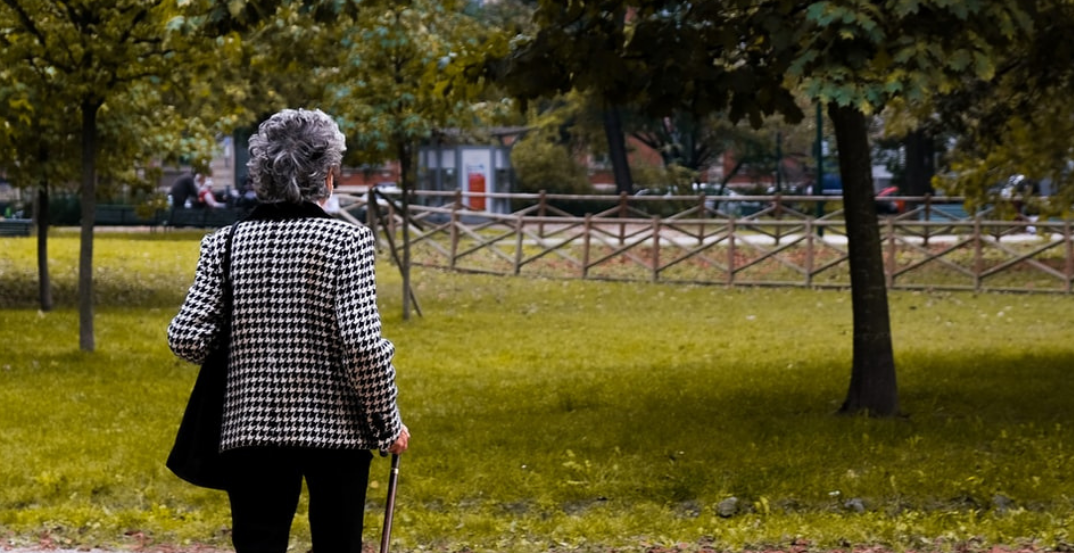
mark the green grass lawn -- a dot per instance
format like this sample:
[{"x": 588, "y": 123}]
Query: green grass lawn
[{"x": 571, "y": 415}]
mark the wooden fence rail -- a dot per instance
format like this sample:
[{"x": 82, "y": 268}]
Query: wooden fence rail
[{"x": 732, "y": 241}]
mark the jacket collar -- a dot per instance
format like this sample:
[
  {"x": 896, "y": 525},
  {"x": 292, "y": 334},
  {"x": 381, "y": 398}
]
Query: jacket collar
[{"x": 283, "y": 211}]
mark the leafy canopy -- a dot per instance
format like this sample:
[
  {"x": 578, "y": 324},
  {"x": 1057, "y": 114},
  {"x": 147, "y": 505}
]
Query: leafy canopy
[{"x": 404, "y": 75}]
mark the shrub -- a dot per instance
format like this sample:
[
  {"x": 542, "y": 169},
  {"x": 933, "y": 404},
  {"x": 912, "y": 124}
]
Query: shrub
[{"x": 542, "y": 164}]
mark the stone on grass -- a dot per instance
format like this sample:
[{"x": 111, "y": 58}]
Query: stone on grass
[
  {"x": 1002, "y": 503},
  {"x": 728, "y": 507},
  {"x": 855, "y": 504}
]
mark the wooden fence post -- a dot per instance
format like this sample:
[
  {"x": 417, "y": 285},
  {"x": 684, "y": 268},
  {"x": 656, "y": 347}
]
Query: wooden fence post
[
  {"x": 731, "y": 228},
  {"x": 656, "y": 249},
  {"x": 703, "y": 214},
  {"x": 542, "y": 204},
  {"x": 519, "y": 224},
  {"x": 1069, "y": 253},
  {"x": 585, "y": 245},
  {"x": 810, "y": 237},
  {"x": 928, "y": 219},
  {"x": 455, "y": 207},
  {"x": 392, "y": 225},
  {"x": 778, "y": 211},
  {"x": 978, "y": 254},
  {"x": 623, "y": 213}
]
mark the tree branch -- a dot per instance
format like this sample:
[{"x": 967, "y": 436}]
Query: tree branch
[
  {"x": 31, "y": 27},
  {"x": 74, "y": 16},
  {"x": 134, "y": 23},
  {"x": 133, "y": 77},
  {"x": 647, "y": 139},
  {"x": 27, "y": 22}
]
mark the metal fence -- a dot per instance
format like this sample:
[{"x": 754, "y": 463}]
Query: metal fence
[{"x": 932, "y": 243}]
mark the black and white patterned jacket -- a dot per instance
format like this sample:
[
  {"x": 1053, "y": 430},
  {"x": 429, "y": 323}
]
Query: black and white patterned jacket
[{"x": 308, "y": 366}]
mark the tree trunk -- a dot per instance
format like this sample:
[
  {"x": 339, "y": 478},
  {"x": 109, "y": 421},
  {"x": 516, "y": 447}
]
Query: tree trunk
[
  {"x": 405, "y": 165},
  {"x": 617, "y": 152},
  {"x": 89, "y": 211},
  {"x": 920, "y": 163},
  {"x": 872, "y": 379},
  {"x": 44, "y": 283}
]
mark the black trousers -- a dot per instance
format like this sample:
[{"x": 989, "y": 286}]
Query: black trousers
[{"x": 264, "y": 485}]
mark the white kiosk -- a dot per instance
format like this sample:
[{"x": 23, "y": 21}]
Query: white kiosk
[{"x": 474, "y": 170}]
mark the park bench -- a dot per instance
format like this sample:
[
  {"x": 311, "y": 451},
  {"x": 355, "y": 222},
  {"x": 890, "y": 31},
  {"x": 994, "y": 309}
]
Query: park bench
[
  {"x": 122, "y": 215},
  {"x": 15, "y": 227},
  {"x": 204, "y": 218}
]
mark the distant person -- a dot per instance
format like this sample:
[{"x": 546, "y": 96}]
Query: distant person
[
  {"x": 310, "y": 382},
  {"x": 185, "y": 189},
  {"x": 246, "y": 196},
  {"x": 206, "y": 196}
]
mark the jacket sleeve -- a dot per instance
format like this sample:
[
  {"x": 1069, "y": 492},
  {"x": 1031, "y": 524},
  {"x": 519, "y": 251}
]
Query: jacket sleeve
[
  {"x": 194, "y": 330},
  {"x": 367, "y": 356}
]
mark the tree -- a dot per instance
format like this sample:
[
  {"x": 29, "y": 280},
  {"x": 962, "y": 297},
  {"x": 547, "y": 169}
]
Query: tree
[
  {"x": 920, "y": 148},
  {"x": 131, "y": 77},
  {"x": 747, "y": 57},
  {"x": 650, "y": 59},
  {"x": 857, "y": 58},
  {"x": 698, "y": 143},
  {"x": 403, "y": 80},
  {"x": 38, "y": 149},
  {"x": 283, "y": 54},
  {"x": 89, "y": 61},
  {"x": 1018, "y": 123},
  {"x": 681, "y": 139}
]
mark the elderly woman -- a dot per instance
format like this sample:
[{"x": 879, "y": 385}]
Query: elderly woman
[{"x": 311, "y": 386}]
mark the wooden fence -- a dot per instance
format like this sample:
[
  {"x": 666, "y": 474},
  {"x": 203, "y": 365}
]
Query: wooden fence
[{"x": 734, "y": 241}]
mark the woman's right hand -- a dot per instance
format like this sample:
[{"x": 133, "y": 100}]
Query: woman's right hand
[{"x": 401, "y": 443}]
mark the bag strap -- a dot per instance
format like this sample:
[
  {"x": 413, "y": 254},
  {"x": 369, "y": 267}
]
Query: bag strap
[{"x": 225, "y": 267}]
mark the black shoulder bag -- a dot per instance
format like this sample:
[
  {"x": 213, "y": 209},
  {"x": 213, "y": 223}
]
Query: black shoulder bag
[{"x": 195, "y": 457}]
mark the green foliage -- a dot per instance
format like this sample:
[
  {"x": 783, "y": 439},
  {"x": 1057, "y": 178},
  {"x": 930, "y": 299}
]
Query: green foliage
[
  {"x": 1034, "y": 145},
  {"x": 56, "y": 66},
  {"x": 404, "y": 76},
  {"x": 744, "y": 57},
  {"x": 674, "y": 180},
  {"x": 542, "y": 164},
  {"x": 570, "y": 416},
  {"x": 280, "y": 55},
  {"x": 40, "y": 133},
  {"x": 1017, "y": 123},
  {"x": 168, "y": 78},
  {"x": 664, "y": 58},
  {"x": 865, "y": 54}
]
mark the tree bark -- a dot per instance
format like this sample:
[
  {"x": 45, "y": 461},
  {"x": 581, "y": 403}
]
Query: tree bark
[
  {"x": 405, "y": 166},
  {"x": 44, "y": 283},
  {"x": 873, "y": 388},
  {"x": 617, "y": 152},
  {"x": 920, "y": 163},
  {"x": 89, "y": 211}
]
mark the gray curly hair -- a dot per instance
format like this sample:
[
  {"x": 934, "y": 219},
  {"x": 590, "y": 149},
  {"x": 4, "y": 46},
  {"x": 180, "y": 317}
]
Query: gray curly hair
[{"x": 292, "y": 155}]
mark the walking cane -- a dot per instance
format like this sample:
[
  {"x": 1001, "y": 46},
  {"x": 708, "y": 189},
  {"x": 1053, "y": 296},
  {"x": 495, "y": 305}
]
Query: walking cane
[{"x": 389, "y": 509}]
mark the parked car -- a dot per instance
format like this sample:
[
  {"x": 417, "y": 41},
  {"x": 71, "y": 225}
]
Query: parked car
[
  {"x": 733, "y": 206},
  {"x": 721, "y": 200},
  {"x": 887, "y": 206}
]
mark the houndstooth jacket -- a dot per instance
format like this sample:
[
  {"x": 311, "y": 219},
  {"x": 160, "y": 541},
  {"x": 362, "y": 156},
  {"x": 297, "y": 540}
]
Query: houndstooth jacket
[{"x": 307, "y": 366}]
